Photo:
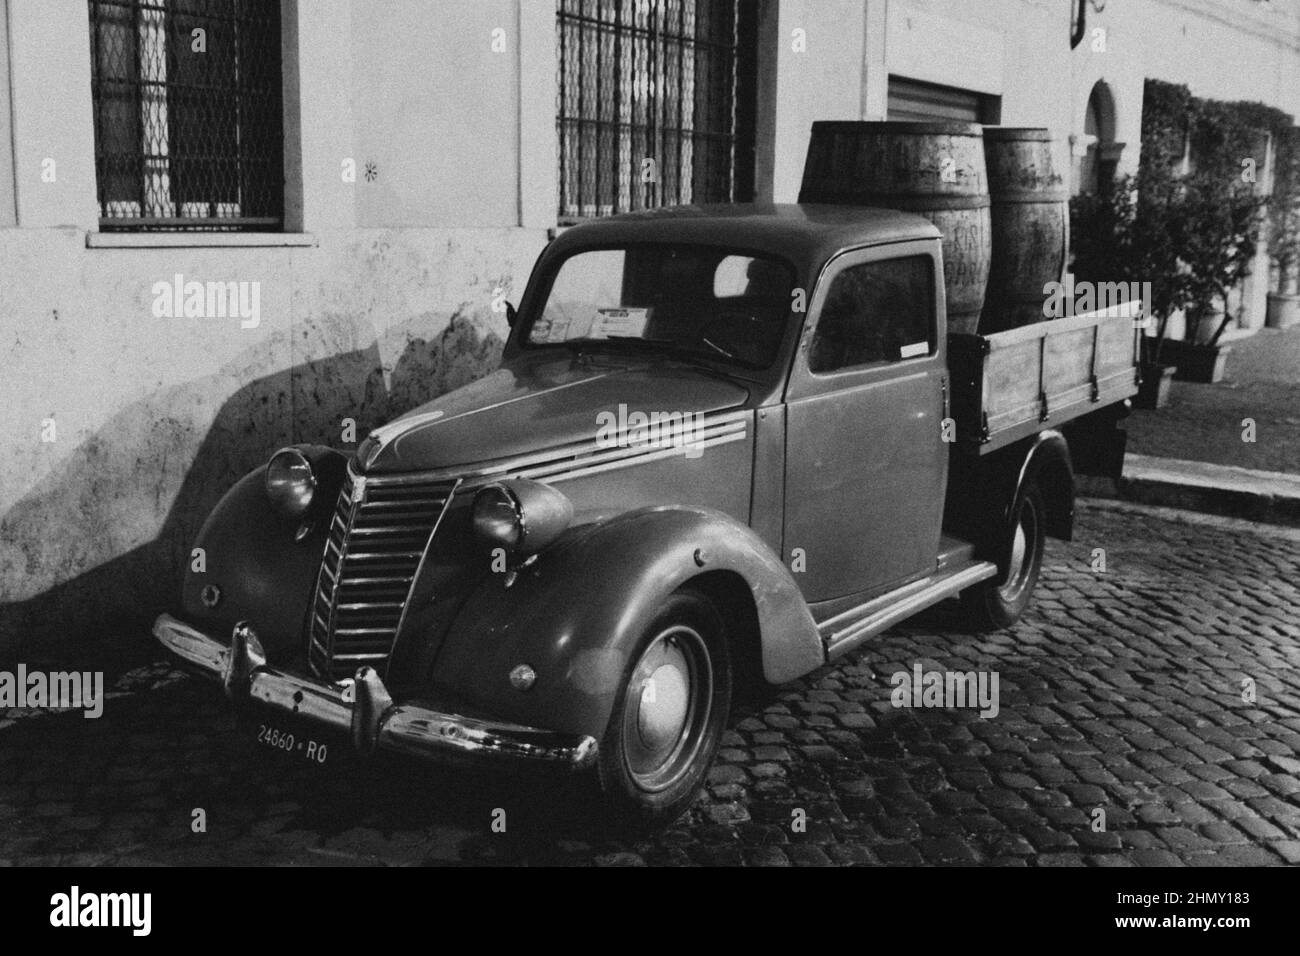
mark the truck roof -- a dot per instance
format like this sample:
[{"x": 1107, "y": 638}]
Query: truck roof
[{"x": 803, "y": 232}]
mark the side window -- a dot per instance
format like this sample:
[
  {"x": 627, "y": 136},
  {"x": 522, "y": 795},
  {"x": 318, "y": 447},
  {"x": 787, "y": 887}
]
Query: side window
[{"x": 876, "y": 312}]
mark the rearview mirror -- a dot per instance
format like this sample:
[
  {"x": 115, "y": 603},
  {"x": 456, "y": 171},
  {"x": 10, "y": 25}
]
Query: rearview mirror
[{"x": 512, "y": 314}]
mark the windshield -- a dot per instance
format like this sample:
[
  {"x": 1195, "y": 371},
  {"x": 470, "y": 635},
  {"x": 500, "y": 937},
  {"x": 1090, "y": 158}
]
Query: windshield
[{"x": 699, "y": 300}]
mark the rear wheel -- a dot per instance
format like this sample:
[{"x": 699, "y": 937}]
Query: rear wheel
[
  {"x": 999, "y": 601},
  {"x": 670, "y": 714}
]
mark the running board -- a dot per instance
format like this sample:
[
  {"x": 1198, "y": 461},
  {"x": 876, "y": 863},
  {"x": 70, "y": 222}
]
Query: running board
[{"x": 887, "y": 610}]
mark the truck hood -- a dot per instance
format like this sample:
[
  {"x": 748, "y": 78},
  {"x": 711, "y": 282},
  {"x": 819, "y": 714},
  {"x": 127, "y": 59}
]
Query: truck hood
[{"x": 533, "y": 403}]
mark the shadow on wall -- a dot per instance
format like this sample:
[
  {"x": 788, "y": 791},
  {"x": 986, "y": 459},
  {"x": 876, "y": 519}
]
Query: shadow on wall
[{"x": 115, "y": 527}]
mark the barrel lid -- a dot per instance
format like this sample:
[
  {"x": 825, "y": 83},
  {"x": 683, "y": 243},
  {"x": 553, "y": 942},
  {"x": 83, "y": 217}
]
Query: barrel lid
[
  {"x": 1036, "y": 134},
  {"x": 899, "y": 126}
]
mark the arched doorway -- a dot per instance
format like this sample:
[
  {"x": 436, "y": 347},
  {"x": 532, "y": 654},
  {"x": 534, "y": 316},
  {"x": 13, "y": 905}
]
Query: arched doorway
[{"x": 1101, "y": 156}]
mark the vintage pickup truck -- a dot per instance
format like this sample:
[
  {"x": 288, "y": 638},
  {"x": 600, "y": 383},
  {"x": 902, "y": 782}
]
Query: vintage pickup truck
[{"x": 725, "y": 444}]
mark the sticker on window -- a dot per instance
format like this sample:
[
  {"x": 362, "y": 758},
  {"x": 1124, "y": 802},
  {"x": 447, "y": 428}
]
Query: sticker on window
[
  {"x": 547, "y": 331},
  {"x": 629, "y": 323},
  {"x": 913, "y": 350}
]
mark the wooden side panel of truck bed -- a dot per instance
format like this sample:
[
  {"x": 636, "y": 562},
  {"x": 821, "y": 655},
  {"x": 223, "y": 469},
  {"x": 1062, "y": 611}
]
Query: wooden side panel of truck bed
[{"x": 1012, "y": 384}]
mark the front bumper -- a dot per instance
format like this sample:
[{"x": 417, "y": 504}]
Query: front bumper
[{"x": 362, "y": 706}]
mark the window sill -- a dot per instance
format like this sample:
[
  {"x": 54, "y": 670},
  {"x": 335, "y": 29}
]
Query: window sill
[{"x": 199, "y": 240}]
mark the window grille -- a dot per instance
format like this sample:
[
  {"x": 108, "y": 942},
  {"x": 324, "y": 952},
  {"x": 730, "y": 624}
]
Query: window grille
[
  {"x": 188, "y": 116},
  {"x": 656, "y": 103}
]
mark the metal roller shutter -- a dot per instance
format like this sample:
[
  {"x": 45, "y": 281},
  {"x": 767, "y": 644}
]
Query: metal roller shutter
[{"x": 917, "y": 101}]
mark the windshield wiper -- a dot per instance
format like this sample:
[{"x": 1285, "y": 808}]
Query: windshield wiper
[{"x": 717, "y": 348}]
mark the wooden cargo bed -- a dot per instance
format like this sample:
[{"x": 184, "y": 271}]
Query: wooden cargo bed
[{"x": 1009, "y": 385}]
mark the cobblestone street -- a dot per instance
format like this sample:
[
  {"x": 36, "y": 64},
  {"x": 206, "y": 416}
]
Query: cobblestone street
[{"x": 1120, "y": 691}]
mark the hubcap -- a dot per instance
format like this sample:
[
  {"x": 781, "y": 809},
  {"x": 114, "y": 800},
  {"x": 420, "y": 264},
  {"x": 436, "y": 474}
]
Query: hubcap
[
  {"x": 661, "y": 713},
  {"x": 667, "y": 708}
]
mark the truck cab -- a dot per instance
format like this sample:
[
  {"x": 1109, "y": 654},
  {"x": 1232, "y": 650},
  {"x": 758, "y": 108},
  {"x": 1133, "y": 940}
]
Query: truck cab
[{"x": 831, "y": 318}]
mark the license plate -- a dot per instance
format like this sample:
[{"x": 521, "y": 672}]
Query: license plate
[{"x": 297, "y": 745}]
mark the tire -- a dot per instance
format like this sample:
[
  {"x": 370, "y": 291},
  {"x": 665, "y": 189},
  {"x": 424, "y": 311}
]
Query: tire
[
  {"x": 669, "y": 716},
  {"x": 999, "y": 601}
]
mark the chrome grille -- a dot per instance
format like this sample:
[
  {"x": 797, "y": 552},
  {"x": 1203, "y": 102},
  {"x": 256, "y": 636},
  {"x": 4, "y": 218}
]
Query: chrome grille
[{"x": 377, "y": 537}]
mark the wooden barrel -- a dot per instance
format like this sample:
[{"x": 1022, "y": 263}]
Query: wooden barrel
[
  {"x": 1031, "y": 223},
  {"x": 933, "y": 169}
]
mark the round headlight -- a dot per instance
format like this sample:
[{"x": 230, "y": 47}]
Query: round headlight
[
  {"x": 290, "y": 482},
  {"x": 521, "y": 515},
  {"x": 498, "y": 520}
]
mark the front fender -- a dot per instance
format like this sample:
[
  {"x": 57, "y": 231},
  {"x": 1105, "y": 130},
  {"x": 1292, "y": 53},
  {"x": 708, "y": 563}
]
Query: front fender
[
  {"x": 576, "y": 614},
  {"x": 249, "y": 552}
]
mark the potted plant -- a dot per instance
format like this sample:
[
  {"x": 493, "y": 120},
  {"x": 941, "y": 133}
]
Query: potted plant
[
  {"x": 1187, "y": 223},
  {"x": 1220, "y": 222},
  {"x": 1126, "y": 235},
  {"x": 1217, "y": 219},
  {"x": 1157, "y": 377},
  {"x": 1284, "y": 238}
]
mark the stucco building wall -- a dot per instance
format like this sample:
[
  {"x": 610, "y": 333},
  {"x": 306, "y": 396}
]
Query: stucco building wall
[
  {"x": 379, "y": 295},
  {"x": 8, "y": 215}
]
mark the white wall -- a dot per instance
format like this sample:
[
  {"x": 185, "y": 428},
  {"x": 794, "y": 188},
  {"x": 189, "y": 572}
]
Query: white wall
[
  {"x": 1221, "y": 49},
  {"x": 8, "y": 214},
  {"x": 433, "y": 103},
  {"x": 382, "y": 300},
  {"x": 821, "y": 80},
  {"x": 49, "y": 59},
  {"x": 1006, "y": 48},
  {"x": 383, "y": 297},
  {"x": 319, "y": 124},
  {"x": 1018, "y": 50}
]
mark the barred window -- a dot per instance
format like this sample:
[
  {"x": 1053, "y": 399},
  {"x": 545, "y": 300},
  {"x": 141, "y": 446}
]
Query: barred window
[
  {"x": 187, "y": 112},
  {"x": 656, "y": 103}
]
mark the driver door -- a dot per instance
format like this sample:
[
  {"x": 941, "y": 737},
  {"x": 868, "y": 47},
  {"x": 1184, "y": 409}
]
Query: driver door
[{"x": 866, "y": 464}]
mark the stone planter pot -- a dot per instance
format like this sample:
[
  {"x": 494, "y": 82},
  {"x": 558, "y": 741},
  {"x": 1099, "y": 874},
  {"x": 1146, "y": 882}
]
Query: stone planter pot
[
  {"x": 1283, "y": 311},
  {"x": 1153, "y": 392},
  {"x": 1196, "y": 363}
]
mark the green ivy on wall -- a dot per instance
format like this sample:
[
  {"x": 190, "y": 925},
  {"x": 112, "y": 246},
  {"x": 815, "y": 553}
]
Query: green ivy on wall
[
  {"x": 1284, "y": 212},
  {"x": 1190, "y": 220}
]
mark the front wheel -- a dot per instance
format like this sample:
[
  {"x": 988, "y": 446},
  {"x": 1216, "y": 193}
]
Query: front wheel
[
  {"x": 669, "y": 716},
  {"x": 999, "y": 601}
]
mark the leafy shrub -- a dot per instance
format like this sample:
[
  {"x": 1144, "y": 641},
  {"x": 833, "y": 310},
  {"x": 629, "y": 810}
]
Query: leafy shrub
[{"x": 1189, "y": 221}]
